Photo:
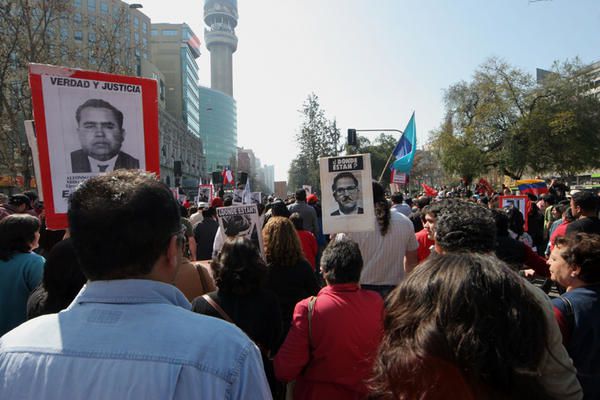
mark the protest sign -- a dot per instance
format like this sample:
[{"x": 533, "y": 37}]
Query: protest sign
[
  {"x": 88, "y": 123},
  {"x": 205, "y": 193},
  {"x": 241, "y": 220},
  {"x": 347, "y": 194}
]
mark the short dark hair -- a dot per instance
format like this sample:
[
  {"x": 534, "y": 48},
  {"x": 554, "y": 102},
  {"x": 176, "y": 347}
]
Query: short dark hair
[
  {"x": 587, "y": 201},
  {"x": 98, "y": 103},
  {"x": 17, "y": 232},
  {"x": 239, "y": 268},
  {"x": 465, "y": 226},
  {"x": 121, "y": 223},
  {"x": 582, "y": 250},
  {"x": 301, "y": 195},
  {"x": 19, "y": 199},
  {"x": 341, "y": 261},
  {"x": 297, "y": 220},
  {"x": 343, "y": 175},
  {"x": 501, "y": 222},
  {"x": 397, "y": 198}
]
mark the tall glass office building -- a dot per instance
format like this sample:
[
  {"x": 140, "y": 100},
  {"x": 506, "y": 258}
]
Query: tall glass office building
[{"x": 218, "y": 128}]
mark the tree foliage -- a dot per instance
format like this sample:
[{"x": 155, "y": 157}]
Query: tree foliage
[
  {"x": 42, "y": 31},
  {"x": 503, "y": 119},
  {"x": 380, "y": 149},
  {"x": 318, "y": 137}
]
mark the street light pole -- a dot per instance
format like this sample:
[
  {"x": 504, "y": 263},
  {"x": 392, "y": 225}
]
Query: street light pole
[{"x": 381, "y": 130}]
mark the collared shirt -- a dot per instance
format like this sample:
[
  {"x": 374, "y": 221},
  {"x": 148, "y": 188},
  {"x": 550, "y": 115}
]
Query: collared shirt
[
  {"x": 402, "y": 209},
  {"x": 108, "y": 165},
  {"x": 129, "y": 339}
]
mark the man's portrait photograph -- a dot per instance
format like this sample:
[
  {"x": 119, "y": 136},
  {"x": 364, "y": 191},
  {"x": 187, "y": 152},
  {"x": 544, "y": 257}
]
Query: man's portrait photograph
[
  {"x": 346, "y": 192},
  {"x": 101, "y": 134}
]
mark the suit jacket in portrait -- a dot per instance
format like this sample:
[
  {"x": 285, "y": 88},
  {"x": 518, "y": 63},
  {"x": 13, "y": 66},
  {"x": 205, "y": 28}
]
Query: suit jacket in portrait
[
  {"x": 81, "y": 163},
  {"x": 337, "y": 212}
]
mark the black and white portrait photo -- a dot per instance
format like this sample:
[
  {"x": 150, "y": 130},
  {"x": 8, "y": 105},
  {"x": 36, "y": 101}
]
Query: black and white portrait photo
[
  {"x": 101, "y": 134},
  {"x": 347, "y": 194}
]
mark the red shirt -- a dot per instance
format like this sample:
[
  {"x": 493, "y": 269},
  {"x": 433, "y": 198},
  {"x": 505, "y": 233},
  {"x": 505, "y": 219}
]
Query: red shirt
[
  {"x": 424, "y": 244},
  {"x": 309, "y": 246},
  {"x": 347, "y": 326}
]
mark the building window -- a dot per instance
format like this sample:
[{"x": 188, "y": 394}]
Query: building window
[
  {"x": 78, "y": 35},
  {"x": 144, "y": 27},
  {"x": 91, "y": 37},
  {"x": 136, "y": 22},
  {"x": 77, "y": 18},
  {"x": 91, "y": 5},
  {"x": 91, "y": 20},
  {"x": 169, "y": 32},
  {"x": 136, "y": 37},
  {"x": 104, "y": 8},
  {"x": 77, "y": 3},
  {"x": 154, "y": 32}
]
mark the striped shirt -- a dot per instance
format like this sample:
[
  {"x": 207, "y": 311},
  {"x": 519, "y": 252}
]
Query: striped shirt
[{"x": 383, "y": 256}]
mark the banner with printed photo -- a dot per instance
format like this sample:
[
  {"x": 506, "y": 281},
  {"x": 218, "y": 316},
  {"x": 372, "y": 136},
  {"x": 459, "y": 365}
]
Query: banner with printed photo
[
  {"x": 519, "y": 202},
  {"x": 88, "y": 123},
  {"x": 307, "y": 189},
  {"x": 205, "y": 194},
  {"x": 241, "y": 220},
  {"x": 256, "y": 197},
  {"x": 347, "y": 194}
]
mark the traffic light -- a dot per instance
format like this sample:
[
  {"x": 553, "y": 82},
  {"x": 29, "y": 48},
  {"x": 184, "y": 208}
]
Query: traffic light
[{"x": 352, "y": 137}]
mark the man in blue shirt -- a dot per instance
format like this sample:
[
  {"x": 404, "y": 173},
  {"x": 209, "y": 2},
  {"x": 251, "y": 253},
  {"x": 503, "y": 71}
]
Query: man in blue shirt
[{"x": 129, "y": 333}]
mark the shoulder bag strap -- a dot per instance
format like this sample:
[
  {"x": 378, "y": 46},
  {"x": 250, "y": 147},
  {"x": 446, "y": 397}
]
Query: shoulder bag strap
[
  {"x": 569, "y": 314},
  {"x": 218, "y": 308},
  {"x": 311, "y": 307}
]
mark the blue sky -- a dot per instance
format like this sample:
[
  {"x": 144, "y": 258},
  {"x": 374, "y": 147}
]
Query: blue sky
[{"x": 372, "y": 62}]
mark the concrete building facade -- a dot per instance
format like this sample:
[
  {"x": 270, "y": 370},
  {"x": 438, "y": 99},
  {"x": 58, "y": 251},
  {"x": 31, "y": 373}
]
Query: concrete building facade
[
  {"x": 174, "y": 49},
  {"x": 220, "y": 17}
]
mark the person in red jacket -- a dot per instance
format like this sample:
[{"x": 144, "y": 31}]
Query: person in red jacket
[
  {"x": 329, "y": 351},
  {"x": 307, "y": 240}
]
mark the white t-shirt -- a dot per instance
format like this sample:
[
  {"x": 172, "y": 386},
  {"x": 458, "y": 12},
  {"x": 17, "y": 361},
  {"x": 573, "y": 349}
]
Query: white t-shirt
[{"x": 383, "y": 256}]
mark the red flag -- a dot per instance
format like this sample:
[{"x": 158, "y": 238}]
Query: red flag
[
  {"x": 227, "y": 177},
  {"x": 429, "y": 191},
  {"x": 486, "y": 186}
]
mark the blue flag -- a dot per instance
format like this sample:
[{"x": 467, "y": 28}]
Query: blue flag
[{"x": 404, "y": 152}]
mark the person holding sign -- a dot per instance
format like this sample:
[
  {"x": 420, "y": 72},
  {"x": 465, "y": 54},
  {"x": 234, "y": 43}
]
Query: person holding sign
[
  {"x": 346, "y": 194},
  {"x": 101, "y": 134}
]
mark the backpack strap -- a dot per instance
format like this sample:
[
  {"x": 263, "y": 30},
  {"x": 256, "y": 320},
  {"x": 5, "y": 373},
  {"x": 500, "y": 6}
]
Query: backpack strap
[{"x": 217, "y": 308}]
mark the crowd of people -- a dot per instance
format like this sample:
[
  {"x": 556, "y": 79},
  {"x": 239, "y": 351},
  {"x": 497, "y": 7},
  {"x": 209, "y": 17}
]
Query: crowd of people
[{"x": 145, "y": 298}]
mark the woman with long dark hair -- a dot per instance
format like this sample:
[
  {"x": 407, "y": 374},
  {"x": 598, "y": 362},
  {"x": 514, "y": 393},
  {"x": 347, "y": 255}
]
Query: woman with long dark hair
[
  {"x": 461, "y": 326},
  {"x": 241, "y": 298},
  {"x": 63, "y": 279},
  {"x": 21, "y": 270}
]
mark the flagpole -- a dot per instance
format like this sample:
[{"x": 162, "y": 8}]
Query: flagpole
[{"x": 386, "y": 165}]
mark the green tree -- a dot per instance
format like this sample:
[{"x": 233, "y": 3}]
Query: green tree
[
  {"x": 380, "y": 150},
  {"x": 318, "y": 137},
  {"x": 40, "y": 31},
  {"x": 503, "y": 119}
]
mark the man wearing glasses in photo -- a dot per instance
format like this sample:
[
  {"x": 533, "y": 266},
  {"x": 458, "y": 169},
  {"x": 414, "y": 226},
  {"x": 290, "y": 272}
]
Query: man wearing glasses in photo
[
  {"x": 101, "y": 134},
  {"x": 346, "y": 193}
]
